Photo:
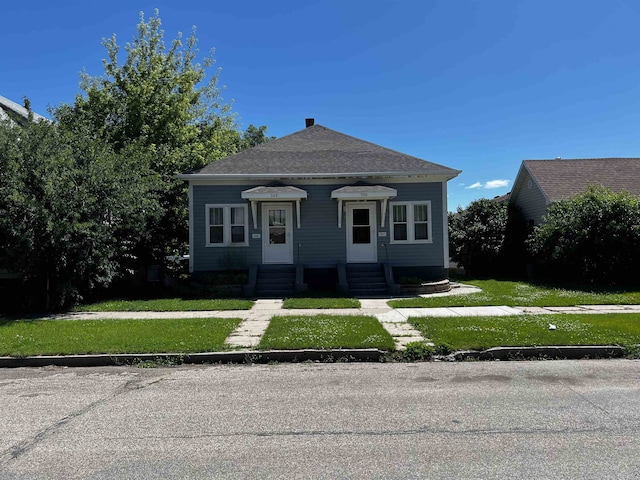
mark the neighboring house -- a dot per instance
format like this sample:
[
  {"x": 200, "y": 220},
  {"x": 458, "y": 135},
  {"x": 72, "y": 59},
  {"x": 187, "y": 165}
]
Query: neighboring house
[
  {"x": 540, "y": 182},
  {"x": 17, "y": 113},
  {"x": 315, "y": 205}
]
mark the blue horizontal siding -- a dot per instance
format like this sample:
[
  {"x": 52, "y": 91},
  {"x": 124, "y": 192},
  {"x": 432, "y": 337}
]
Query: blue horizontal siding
[{"x": 319, "y": 242}]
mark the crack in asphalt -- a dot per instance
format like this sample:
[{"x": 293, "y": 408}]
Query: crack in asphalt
[
  {"x": 16, "y": 451},
  {"x": 388, "y": 433}
]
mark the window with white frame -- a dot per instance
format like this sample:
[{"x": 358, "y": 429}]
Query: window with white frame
[
  {"x": 227, "y": 225},
  {"x": 410, "y": 222}
]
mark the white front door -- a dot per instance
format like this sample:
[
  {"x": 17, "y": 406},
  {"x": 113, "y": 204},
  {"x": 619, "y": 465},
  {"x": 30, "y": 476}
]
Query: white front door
[
  {"x": 277, "y": 238},
  {"x": 361, "y": 233}
]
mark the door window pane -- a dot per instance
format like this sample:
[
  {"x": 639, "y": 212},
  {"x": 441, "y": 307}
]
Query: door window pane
[
  {"x": 361, "y": 216},
  {"x": 361, "y": 235},
  {"x": 277, "y": 218},
  {"x": 277, "y": 235}
]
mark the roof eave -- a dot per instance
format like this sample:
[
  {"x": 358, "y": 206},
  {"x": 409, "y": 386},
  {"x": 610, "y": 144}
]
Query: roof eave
[{"x": 441, "y": 176}]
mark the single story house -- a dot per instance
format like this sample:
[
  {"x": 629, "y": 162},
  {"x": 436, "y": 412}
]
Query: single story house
[
  {"x": 540, "y": 182},
  {"x": 320, "y": 207}
]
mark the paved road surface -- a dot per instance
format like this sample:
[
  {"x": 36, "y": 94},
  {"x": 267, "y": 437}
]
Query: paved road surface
[{"x": 559, "y": 419}]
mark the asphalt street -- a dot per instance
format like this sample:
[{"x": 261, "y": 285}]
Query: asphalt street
[{"x": 542, "y": 419}]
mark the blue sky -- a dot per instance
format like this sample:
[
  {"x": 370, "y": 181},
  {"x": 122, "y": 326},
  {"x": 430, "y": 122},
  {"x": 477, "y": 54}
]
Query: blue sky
[{"x": 477, "y": 85}]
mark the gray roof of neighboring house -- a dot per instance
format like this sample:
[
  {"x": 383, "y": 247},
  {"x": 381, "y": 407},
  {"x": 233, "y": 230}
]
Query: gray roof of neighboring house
[
  {"x": 560, "y": 178},
  {"x": 10, "y": 110},
  {"x": 317, "y": 151}
]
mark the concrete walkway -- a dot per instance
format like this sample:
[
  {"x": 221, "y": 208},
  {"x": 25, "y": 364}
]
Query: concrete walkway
[{"x": 394, "y": 320}]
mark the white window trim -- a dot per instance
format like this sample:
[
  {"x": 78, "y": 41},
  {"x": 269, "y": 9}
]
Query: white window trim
[
  {"x": 411, "y": 234},
  {"x": 226, "y": 219}
]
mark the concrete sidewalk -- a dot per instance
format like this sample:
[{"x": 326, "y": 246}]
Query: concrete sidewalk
[{"x": 395, "y": 320}]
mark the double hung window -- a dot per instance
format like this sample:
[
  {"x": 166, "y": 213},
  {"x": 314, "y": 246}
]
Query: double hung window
[
  {"x": 410, "y": 222},
  {"x": 227, "y": 225}
]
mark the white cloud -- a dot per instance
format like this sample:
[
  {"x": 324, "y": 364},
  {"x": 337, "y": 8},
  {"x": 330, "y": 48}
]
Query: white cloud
[
  {"x": 496, "y": 183},
  {"x": 490, "y": 184}
]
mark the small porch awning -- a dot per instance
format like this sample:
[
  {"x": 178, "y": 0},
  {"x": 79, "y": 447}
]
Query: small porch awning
[
  {"x": 273, "y": 194},
  {"x": 361, "y": 193}
]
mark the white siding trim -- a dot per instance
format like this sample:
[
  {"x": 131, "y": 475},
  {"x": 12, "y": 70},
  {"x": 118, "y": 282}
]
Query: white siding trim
[{"x": 445, "y": 226}]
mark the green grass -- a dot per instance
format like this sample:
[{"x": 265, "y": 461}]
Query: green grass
[
  {"x": 479, "y": 333},
  {"x": 165, "y": 305},
  {"x": 327, "y": 302},
  {"x": 325, "y": 331},
  {"x": 525, "y": 294},
  {"x": 66, "y": 337}
]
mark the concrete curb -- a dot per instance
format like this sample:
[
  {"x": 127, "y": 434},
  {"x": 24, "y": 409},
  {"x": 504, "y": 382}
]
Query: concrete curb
[
  {"x": 552, "y": 352},
  {"x": 244, "y": 356},
  {"x": 313, "y": 355}
]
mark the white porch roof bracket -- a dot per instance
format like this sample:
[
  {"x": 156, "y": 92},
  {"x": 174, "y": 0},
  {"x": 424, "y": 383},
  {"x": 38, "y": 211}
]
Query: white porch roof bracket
[
  {"x": 363, "y": 193},
  {"x": 273, "y": 194}
]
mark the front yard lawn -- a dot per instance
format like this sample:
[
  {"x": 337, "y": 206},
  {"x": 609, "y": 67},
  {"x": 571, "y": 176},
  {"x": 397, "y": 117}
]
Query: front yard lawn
[
  {"x": 328, "y": 302},
  {"x": 325, "y": 331},
  {"x": 523, "y": 294},
  {"x": 479, "y": 333},
  {"x": 67, "y": 337},
  {"x": 166, "y": 305}
]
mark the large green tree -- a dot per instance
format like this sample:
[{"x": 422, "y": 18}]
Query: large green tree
[
  {"x": 487, "y": 238},
  {"x": 164, "y": 105},
  {"x": 72, "y": 210}
]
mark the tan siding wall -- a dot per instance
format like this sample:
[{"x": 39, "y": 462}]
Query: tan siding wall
[{"x": 531, "y": 200}]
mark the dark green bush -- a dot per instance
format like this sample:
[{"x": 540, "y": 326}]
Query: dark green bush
[
  {"x": 593, "y": 237},
  {"x": 487, "y": 238}
]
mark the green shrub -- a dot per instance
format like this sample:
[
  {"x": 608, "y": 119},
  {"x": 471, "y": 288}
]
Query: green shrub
[
  {"x": 415, "y": 351},
  {"x": 593, "y": 237},
  {"x": 488, "y": 237}
]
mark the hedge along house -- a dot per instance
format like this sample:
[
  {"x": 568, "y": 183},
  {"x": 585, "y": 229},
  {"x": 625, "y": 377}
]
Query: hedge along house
[{"x": 322, "y": 208}]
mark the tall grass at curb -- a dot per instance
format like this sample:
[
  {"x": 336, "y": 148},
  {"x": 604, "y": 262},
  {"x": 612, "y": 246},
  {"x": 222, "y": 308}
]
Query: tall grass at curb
[
  {"x": 523, "y": 294},
  {"x": 478, "y": 333},
  {"x": 325, "y": 331},
  {"x": 66, "y": 337}
]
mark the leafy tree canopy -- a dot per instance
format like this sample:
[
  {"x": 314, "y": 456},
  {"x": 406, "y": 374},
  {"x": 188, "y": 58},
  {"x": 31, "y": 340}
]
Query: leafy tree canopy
[
  {"x": 71, "y": 209},
  {"x": 162, "y": 104}
]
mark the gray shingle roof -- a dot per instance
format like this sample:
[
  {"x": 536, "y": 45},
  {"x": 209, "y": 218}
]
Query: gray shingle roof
[
  {"x": 561, "y": 179},
  {"x": 318, "y": 150}
]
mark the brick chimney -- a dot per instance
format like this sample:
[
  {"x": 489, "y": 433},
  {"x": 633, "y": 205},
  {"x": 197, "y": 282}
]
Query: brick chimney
[{"x": 309, "y": 122}]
